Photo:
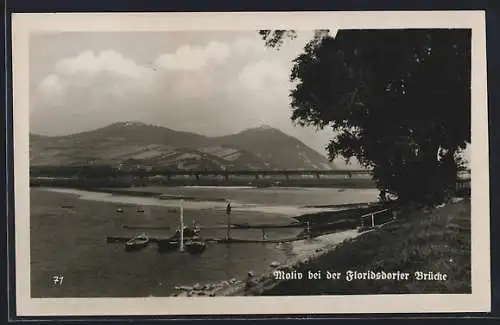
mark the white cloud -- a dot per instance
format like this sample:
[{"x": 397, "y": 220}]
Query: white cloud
[
  {"x": 193, "y": 67},
  {"x": 218, "y": 51},
  {"x": 105, "y": 61},
  {"x": 189, "y": 57},
  {"x": 264, "y": 74},
  {"x": 52, "y": 85},
  {"x": 106, "y": 73},
  {"x": 194, "y": 57}
]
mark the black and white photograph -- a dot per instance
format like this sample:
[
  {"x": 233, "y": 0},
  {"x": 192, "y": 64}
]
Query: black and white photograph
[{"x": 207, "y": 163}]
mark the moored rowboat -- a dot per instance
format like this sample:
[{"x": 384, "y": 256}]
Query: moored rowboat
[
  {"x": 137, "y": 242},
  {"x": 195, "y": 246},
  {"x": 165, "y": 245}
]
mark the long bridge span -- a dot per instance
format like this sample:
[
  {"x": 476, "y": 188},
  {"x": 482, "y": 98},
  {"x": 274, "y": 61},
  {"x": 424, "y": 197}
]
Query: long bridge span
[
  {"x": 257, "y": 173},
  {"x": 98, "y": 171},
  {"x": 347, "y": 173},
  {"x": 91, "y": 170},
  {"x": 39, "y": 173}
]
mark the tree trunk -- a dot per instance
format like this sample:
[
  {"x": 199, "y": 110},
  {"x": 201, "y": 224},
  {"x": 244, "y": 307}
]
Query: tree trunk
[{"x": 432, "y": 187}]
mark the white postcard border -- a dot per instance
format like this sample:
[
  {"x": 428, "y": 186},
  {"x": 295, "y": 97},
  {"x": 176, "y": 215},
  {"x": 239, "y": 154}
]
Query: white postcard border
[{"x": 480, "y": 299}]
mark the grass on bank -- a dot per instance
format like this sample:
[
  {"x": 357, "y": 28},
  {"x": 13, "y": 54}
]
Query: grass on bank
[{"x": 435, "y": 241}]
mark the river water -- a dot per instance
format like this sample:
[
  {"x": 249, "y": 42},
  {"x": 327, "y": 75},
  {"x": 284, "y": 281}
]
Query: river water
[{"x": 68, "y": 230}]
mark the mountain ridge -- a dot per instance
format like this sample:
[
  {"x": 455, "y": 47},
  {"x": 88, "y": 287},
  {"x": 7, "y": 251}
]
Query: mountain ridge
[{"x": 131, "y": 142}]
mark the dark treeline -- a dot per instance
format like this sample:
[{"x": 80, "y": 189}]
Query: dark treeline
[{"x": 398, "y": 100}]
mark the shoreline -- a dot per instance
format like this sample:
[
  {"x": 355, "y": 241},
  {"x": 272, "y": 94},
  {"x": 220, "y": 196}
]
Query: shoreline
[
  {"x": 358, "y": 251},
  {"x": 322, "y": 219},
  {"x": 300, "y": 213},
  {"x": 430, "y": 241},
  {"x": 265, "y": 280}
]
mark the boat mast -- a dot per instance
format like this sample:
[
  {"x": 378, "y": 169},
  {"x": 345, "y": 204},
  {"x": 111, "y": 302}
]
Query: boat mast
[{"x": 181, "y": 246}]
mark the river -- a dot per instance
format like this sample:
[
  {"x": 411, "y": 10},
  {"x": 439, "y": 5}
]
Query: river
[{"x": 68, "y": 230}]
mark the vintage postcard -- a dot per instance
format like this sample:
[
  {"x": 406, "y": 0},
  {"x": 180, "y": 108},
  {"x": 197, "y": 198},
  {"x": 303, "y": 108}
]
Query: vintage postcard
[{"x": 251, "y": 163}]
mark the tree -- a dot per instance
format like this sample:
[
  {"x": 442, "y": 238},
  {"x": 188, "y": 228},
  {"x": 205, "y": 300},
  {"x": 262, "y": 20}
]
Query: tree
[{"x": 398, "y": 101}]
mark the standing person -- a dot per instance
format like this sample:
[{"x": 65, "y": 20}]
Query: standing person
[
  {"x": 228, "y": 212},
  {"x": 308, "y": 229}
]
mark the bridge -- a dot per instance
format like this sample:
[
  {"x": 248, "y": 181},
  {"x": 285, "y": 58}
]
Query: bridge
[
  {"x": 108, "y": 171},
  {"x": 255, "y": 173},
  {"x": 227, "y": 174},
  {"x": 102, "y": 176}
]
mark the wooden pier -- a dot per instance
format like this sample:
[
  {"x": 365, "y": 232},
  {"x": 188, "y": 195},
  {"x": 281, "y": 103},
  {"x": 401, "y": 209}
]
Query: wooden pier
[
  {"x": 161, "y": 227},
  {"x": 214, "y": 227},
  {"x": 156, "y": 239},
  {"x": 310, "y": 230}
]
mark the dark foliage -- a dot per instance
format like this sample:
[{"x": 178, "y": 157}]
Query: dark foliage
[{"x": 398, "y": 100}]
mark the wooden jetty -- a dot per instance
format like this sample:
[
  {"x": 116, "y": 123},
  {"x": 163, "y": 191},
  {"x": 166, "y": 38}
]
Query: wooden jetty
[
  {"x": 256, "y": 241},
  {"x": 161, "y": 227},
  {"x": 311, "y": 230},
  {"x": 124, "y": 239},
  {"x": 214, "y": 227},
  {"x": 146, "y": 227},
  {"x": 267, "y": 226}
]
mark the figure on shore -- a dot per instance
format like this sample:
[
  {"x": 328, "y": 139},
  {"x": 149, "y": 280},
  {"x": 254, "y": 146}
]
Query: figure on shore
[
  {"x": 228, "y": 212},
  {"x": 308, "y": 230}
]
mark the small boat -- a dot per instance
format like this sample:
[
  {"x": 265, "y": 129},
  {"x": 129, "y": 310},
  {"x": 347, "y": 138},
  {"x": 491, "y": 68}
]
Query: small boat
[
  {"x": 195, "y": 246},
  {"x": 165, "y": 245},
  {"x": 137, "y": 243},
  {"x": 188, "y": 232}
]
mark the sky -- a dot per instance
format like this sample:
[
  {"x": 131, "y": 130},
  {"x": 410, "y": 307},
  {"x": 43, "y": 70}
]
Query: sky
[{"x": 211, "y": 83}]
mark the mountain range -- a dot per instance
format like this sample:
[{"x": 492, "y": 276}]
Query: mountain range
[{"x": 135, "y": 143}]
